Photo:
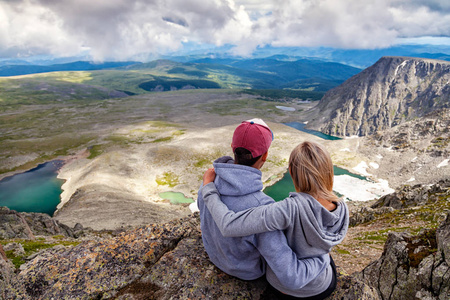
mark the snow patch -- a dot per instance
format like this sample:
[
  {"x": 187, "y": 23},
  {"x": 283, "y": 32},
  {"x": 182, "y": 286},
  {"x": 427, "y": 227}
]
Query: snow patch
[
  {"x": 360, "y": 190},
  {"x": 285, "y": 108},
  {"x": 411, "y": 179},
  {"x": 352, "y": 137},
  {"x": 362, "y": 168},
  {"x": 374, "y": 165},
  {"x": 399, "y": 66},
  {"x": 414, "y": 159},
  {"x": 444, "y": 163},
  {"x": 193, "y": 207},
  {"x": 345, "y": 149},
  {"x": 379, "y": 156}
]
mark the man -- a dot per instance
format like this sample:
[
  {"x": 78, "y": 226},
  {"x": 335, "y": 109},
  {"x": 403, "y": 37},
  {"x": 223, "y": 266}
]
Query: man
[{"x": 239, "y": 183}]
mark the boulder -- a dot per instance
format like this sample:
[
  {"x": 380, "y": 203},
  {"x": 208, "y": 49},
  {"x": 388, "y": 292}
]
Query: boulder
[
  {"x": 29, "y": 225},
  {"x": 413, "y": 267}
]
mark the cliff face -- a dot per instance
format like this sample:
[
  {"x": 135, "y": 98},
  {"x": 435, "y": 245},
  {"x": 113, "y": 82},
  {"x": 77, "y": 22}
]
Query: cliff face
[{"x": 392, "y": 91}]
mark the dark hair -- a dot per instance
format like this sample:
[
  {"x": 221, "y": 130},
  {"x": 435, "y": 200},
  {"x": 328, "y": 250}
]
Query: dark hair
[{"x": 244, "y": 157}]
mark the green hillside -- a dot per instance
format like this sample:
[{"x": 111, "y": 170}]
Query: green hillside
[{"x": 165, "y": 75}]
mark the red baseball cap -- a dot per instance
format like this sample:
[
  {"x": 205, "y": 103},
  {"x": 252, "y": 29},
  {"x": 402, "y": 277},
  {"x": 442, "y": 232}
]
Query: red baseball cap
[{"x": 253, "y": 135}]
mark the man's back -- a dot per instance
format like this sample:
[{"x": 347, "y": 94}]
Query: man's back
[{"x": 240, "y": 187}]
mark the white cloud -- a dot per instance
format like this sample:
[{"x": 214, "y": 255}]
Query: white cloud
[{"x": 120, "y": 29}]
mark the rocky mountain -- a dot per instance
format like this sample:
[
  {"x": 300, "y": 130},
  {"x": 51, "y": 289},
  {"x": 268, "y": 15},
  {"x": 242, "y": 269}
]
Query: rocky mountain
[
  {"x": 392, "y": 91},
  {"x": 415, "y": 152}
]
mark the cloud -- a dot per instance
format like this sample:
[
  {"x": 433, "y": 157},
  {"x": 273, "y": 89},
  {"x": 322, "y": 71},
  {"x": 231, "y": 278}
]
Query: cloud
[{"x": 123, "y": 29}]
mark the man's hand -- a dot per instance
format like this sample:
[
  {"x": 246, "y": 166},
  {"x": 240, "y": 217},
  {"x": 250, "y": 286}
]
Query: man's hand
[{"x": 209, "y": 176}]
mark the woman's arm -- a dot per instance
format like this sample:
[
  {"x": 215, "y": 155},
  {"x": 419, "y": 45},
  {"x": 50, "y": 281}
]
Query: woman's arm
[{"x": 275, "y": 216}]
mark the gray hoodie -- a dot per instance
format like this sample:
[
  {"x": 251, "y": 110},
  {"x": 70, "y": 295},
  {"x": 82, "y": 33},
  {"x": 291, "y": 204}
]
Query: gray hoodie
[
  {"x": 310, "y": 229},
  {"x": 251, "y": 256}
]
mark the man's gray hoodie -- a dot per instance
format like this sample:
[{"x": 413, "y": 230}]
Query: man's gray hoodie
[
  {"x": 249, "y": 257},
  {"x": 310, "y": 229}
]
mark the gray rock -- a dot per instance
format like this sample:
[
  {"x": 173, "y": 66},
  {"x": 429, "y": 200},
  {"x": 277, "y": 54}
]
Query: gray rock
[
  {"x": 28, "y": 225},
  {"x": 159, "y": 261},
  {"x": 6, "y": 273},
  {"x": 417, "y": 195},
  {"x": 412, "y": 266},
  {"x": 15, "y": 247}
]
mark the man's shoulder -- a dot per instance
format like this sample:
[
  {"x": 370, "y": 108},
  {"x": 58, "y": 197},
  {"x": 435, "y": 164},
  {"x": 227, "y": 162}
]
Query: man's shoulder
[{"x": 261, "y": 199}]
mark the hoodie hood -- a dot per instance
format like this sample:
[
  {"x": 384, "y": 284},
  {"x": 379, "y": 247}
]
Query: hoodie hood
[
  {"x": 325, "y": 229},
  {"x": 236, "y": 180}
]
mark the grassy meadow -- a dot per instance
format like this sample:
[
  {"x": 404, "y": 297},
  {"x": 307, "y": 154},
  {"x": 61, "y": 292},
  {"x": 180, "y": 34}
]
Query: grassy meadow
[{"x": 49, "y": 115}]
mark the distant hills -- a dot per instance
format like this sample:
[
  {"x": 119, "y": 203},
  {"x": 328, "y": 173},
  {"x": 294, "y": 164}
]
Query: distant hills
[
  {"x": 25, "y": 69},
  {"x": 310, "y": 78},
  {"x": 359, "y": 58}
]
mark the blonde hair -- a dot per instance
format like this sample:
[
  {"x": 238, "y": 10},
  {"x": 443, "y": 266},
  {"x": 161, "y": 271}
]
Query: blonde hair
[{"x": 312, "y": 172}]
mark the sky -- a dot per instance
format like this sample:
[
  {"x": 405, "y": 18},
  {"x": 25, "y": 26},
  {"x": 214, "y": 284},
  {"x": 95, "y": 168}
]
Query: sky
[{"x": 129, "y": 29}]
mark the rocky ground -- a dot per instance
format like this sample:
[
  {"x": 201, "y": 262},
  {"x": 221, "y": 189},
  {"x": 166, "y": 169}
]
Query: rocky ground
[
  {"x": 410, "y": 209},
  {"x": 167, "y": 261}
]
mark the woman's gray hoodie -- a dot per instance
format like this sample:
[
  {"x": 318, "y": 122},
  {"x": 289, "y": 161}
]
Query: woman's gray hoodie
[{"x": 310, "y": 229}]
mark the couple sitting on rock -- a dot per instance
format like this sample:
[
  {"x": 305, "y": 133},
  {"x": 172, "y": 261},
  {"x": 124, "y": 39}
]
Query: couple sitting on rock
[{"x": 247, "y": 234}]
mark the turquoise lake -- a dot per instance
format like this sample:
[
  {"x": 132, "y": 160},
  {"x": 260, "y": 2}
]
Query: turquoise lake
[
  {"x": 284, "y": 186},
  {"x": 37, "y": 190}
]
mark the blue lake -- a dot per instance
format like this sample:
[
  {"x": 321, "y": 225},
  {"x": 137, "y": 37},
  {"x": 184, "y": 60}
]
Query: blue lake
[
  {"x": 301, "y": 127},
  {"x": 37, "y": 190}
]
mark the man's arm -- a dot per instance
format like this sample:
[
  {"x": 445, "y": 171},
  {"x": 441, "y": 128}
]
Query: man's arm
[{"x": 275, "y": 216}]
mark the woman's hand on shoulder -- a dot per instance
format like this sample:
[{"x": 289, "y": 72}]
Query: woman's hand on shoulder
[{"x": 209, "y": 176}]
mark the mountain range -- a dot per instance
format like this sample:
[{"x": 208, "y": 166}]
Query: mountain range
[{"x": 307, "y": 75}]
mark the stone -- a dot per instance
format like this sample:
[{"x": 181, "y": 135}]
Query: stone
[
  {"x": 158, "y": 261},
  {"x": 412, "y": 266}
]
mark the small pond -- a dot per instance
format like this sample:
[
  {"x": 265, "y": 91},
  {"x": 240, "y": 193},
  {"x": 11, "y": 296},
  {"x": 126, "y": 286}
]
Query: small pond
[{"x": 175, "y": 197}]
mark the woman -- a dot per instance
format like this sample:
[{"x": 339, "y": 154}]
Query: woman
[{"x": 313, "y": 219}]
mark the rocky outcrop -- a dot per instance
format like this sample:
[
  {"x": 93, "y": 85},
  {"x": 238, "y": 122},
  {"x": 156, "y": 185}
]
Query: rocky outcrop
[
  {"x": 417, "y": 195},
  {"x": 428, "y": 135},
  {"x": 29, "y": 225},
  {"x": 6, "y": 273},
  {"x": 392, "y": 91},
  {"x": 429, "y": 202},
  {"x": 160, "y": 261},
  {"x": 168, "y": 261},
  {"x": 413, "y": 267}
]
